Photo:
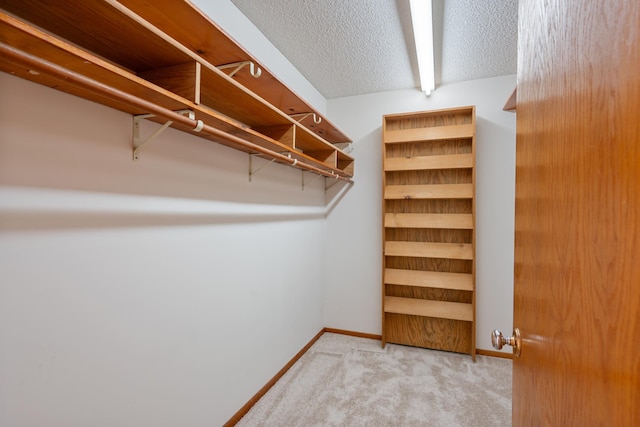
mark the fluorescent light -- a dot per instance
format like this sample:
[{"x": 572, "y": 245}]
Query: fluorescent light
[{"x": 422, "y": 20}]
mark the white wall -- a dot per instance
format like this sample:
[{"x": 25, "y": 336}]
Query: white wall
[
  {"x": 354, "y": 247},
  {"x": 160, "y": 292}
]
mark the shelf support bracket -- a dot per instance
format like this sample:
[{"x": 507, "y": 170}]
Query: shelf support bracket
[
  {"x": 316, "y": 118},
  {"x": 253, "y": 69},
  {"x": 334, "y": 181},
  {"x": 253, "y": 172},
  {"x": 304, "y": 184},
  {"x": 138, "y": 142}
]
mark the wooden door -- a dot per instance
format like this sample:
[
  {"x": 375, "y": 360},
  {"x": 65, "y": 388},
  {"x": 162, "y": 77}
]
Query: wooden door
[{"x": 577, "y": 244}]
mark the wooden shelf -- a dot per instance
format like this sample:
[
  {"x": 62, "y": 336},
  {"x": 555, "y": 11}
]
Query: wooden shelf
[
  {"x": 452, "y": 161},
  {"x": 110, "y": 51},
  {"x": 438, "y": 191},
  {"x": 414, "y": 220},
  {"x": 429, "y": 134},
  {"x": 192, "y": 28},
  {"x": 429, "y": 250},
  {"x": 429, "y": 279},
  {"x": 429, "y": 229},
  {"x": 429, "y": 308}
]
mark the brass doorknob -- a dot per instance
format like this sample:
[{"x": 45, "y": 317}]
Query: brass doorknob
[{"x": 498, "y": 341}]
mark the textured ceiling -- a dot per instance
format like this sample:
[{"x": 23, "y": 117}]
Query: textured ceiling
[{"x": 352, "y": 47}]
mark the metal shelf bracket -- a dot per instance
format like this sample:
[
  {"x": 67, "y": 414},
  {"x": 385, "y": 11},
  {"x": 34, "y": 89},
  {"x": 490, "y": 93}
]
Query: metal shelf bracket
[
  {"x": 253, "y": 69},
  {"x": 304, "y": 184},
  {"x": 138, "y": 142},
  {"x": 316, "y": 118},
  {"x": 253, "y": 172}
]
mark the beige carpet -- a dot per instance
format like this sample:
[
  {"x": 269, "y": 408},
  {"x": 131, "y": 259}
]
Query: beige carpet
[{"x": 347, "y": 381}]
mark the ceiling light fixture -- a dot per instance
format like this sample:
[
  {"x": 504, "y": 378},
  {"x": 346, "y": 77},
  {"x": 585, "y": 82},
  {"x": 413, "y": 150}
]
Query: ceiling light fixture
[{"x": 421, "y": 17}]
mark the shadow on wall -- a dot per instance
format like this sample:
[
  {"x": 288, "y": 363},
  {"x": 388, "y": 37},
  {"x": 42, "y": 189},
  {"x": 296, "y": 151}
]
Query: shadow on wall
[
  {"x": 79, "y": 155},
  {"x": 48, "y": 220}
]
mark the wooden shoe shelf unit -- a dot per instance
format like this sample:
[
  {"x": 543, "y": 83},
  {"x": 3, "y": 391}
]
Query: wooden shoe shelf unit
[
  {"x": 429, "y": 229},
  {"x": 165, "y": 61}
]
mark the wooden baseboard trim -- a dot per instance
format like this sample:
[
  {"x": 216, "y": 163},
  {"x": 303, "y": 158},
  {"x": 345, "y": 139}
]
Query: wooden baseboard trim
[
  {"x": 494, "y": 354},
  {"x": 247, "y": 406},
  {"x": 353, "y": 334}
]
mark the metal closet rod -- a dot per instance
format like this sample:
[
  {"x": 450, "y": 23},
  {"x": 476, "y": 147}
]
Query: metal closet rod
[{"x": 34, "y": 63}]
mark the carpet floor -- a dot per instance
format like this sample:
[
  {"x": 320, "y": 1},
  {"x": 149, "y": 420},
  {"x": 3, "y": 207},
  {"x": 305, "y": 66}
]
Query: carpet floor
[{"x": 349, "y": 381}]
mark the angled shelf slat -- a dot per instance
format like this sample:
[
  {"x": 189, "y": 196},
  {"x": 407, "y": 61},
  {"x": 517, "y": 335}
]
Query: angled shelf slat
[
  {"x": 429, "y": 250},
  {"x": 429, "y": 133},
  {"x": 414, "y": 220},
  {"x": 451, "y": 161},
  {"x": 429, "y": 279},
  {"x": 429, "y": 308},
  {"x": 430, "y": 191},
  {"x": 196, "y": 31}
]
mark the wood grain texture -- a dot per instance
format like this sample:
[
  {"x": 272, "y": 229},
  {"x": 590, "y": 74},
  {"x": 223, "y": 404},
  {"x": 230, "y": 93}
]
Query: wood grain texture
[
  {"x": 443, "y": 206},
  {"x": 424, "y": 220},
  {"x": 181, "y": 79},
  {"x": 176, "y": 82},
  {"x": 101, "y": 29},
  {"x": 444, "y": 191},
  {"x": 430, "y": 133},
  {"x": 432, "y": 118},
  {"x": 353, "y": 333},
  {"x": 429, "y": 279},
  {"x": 428, "y": 228},
  {"x": 452, "y": 161},
  {"x": 577, "y": 245},
  {"x": 428, "y": 308},
  {"x": 429, "y": 293},
  {"x": 284, "y": 134},
  {"x": 429, "y": 177},
  {"x": 429, "y": 250},
  {"x": 429, "y": 332},
  {"x": 229, "y": 98}
]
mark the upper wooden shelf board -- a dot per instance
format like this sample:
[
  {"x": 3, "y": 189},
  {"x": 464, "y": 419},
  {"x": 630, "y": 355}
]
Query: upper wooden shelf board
[
  {"x": 118, "y": 49},
  {"x": 451, "y": 161},
  {"x": 429, "y": 279},
  {"x": 100, "y": 28},
  {"x": 451, "y": 123},
  {"x": 429, "y": 308},
  {"x": 191, "y": 27}
]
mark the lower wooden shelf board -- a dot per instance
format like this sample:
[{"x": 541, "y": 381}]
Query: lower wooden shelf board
[
  {"x": 453, "y": 131},
  {"x": 450, "y": 161},
  {"x": 429, "y": 308},
  {"x": 30, "y": 53},
  {"x": 429, "y": 279}
]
